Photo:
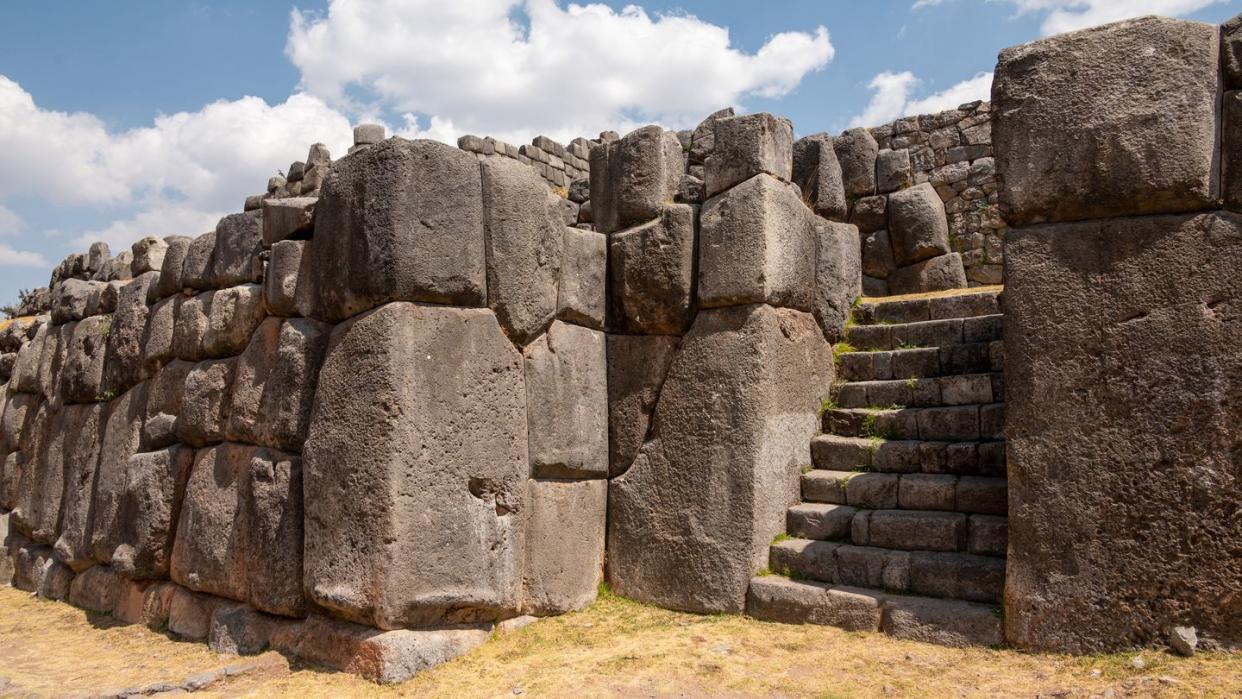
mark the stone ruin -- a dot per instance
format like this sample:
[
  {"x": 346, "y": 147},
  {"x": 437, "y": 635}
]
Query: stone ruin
[{"x": 422, "y": 394}]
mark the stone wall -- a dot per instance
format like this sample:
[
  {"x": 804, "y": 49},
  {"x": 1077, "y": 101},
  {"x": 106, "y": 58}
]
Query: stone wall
[
  {"x": 1122, "y": 328},
  {"x": 557, "y": 164}
]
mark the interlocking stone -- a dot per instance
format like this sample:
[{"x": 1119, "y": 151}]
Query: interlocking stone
[
  {"x": 287, "y": 218},
  {"x": 633, "y": 178},
  {"x": 857, "y": 151},
  {"x": 274, "y": 387},
  {"x": 917, "y": 226},
  {"x": 567, "y": 403},
  {"x": 818, "y": 173},
  {"x": 651, "y": 272},
  {"x": 155, "y": 483},
  {"x": 746, "y": 146},
  {"x": 582, "y": 295},
  {"x": 564, "y": 545}
]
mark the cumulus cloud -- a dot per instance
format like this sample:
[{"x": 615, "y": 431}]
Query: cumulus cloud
[
  {"x": 514, "y": 68},
  {"x": 1069, "y": 15},
  {"x": 892, "y": 97},
  {"x": 20, "y": 258},
  {"x": 10, "y": 222}
]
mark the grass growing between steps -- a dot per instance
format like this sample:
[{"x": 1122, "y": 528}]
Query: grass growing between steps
[{"x": 615, "y": 648}]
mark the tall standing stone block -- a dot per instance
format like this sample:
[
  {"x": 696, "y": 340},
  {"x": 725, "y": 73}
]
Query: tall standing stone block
[
  {"x": 523, "y": 248},
  {"x": 1111, "y": 121},
  {"x": 690, "y": 522},
  {"x": 209, "y": 552},
  {"x": 437, "y": 398},
  {"x": 274, "y": 389},
  {"x": 838, "y": 276},
  {"x": 273, "y": 529},
  {"x": 582, "y": 295},
  {"x": 85, "y": 343},
  {"x": 235, "y": 257},
  {"x": 84, "y": 426},
  {"x": 567, "y": 403},
  {"x": 160, "y": 332},
  {"x": 171, "y": 269},
  {"x": 637, "y": 366},
  {"x": 564, "y": 545},
  {"x": 164, "y": 396},
  {"x": 1124, "y": 481},
  {"x": 817, "y": 172},
  {"x": 757, "y": 245},
  {"x": 37, "y": 510},
  {"x": 651, "y": 269},
  {"x": 190, "y": 328},
  {"x": 196, "y": 266},
  {"x": 746, "y": 146},
  {"x": 632, "y": 178},
  {"x": 154, "y": 487},
  {"x": 399, "y": 221},
  {"x": 857, "y": 152},
  {"x": 125, "y": 365},
  {"x": 280, "y": 282},
  {"x": 121, "y": 440},
  {"x": 917, "y": 226},
  {"x": 233, "y": 316},
  {"x": 205, "y": 405}
]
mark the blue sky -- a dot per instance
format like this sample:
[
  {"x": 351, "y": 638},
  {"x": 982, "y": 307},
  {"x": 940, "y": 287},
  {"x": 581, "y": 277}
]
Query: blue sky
[{"x": 130, "y": 118}]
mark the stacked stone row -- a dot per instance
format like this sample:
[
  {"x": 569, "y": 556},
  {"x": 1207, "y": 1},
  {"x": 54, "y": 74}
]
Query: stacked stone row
[
  {"x": 557, "y": 164},
  {"x": 257, "y": 449},
  {"x": 724, "y": 292}
]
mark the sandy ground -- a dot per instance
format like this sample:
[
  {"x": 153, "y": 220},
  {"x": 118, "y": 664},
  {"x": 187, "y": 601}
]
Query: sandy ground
[{"x": 616, "y": 648}]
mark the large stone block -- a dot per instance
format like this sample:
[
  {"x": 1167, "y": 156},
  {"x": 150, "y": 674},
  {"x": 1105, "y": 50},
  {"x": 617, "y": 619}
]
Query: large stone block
[
  {"x": 818, "y": 173},
  {"x": 857, "y": 152},
  {"x": 85, "y": 344},
  {"x": 96, "y": 589},
  {"x": 400, "y": 220},
  {"x": 125, "y": 365},
  {"x": 287, "y": 218},
  {"x": 651, "y": 270},
  {"x": 917, "y": 225},
  {"x": 436, "y": 395},
  {"x": 523, "y": 248},
  {"x": 234, "y": 315},
  {"x": 637, "y": 366},
  {"x": 387, "y": 657},
  {"x": 1115, "y": 120},
  {"x": 25, "y": 376},
  {"x": 564, "y": 545},
  {"x": 757, "y": 245},
  {"x": 746, "y": 146},
  {"x": 149, "y": 255},
  {"x": 936, "y": 274},
  {"x": 196, "y": 266},
  {"x": 190, "y": 329},
  {"x": 280, "y": 282},
  {"x": 274, "y": 388},
  {"x": 171, "y": 276},
  {"x": 19, "y": 410},
  {"x": 567, "y": 403},
  {"x": 75, "y": 299},
  {"x": 838, "y": 276},
  {"x": 582, "y": 296},
  {"x": 235, "y": 258},
  {"x": 1123, "y": 384},
  {"x": 157, "y": 338},
  {"x": 164, "y": 395},
  {"x": 205, "y": 405},
  {"x": 633, "y": 178},
  {"x": 155, "y": 485},
  {"x": 732, "y": 426},
  {"x": 84, "y": 429},
  {"x": 273, "y": 533},
  {"x": 36, "y": 512},
  {"x": 122, "y": 439},
  {"x": 877, "y": 255},
  {"x": 210, "y": 548}
]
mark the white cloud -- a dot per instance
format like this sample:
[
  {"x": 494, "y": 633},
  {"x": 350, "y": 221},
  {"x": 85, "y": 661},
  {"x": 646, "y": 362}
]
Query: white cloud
[
  {"x": 1068, "y": 15},
  {"x": 892, "y": 97},
  {"x": 10, "y": 222},
  {"x": 20, "y": 258},
  {"x": 514, "y": 68},
  {"x": 920, "y": 4}
]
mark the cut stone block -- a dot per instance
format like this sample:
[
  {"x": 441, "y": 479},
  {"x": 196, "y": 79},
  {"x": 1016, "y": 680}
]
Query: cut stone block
[
  {"x": 564, "y": 545},
  {"x": 125, "y": 365},
  {"x": 158, "y": 337},
  {"x": 190, "y": 329},
  {"x": 877, "y": 255},
  {"x": 148, "y": 256},
  {"x": 280, "y": 282},
  {"x": 154, "y": 487},
  {"x": 582, "y": 295},
  {"x": 838, "y": 276},
  {"x": 209, "y": 553},
  {"x": 637, "y": 366},
  {"x": 567, "y": 403},
  {"x": 942, "y": 622},
  {"x": 196, "y": 268},
  {"x": 776, "y": 598},
  {"x": 287, "y": 218},
  {"x": 85, "y": 345},
  {"x": 936, "y": 274},
  {"x": 857, "y": 151},
  {"x": 235, "y": 256},
  {"x": 84, "y": 426},
  {"x": 633, "y": 178},
  {"x": 205, "y": 405},
  {"x": 651, "y": 269},
  {"x": 96, "y": 589},
  {"x": 274, "y": 388},
  {"x": 917, "y": 226},
  {"x": 164, "y": 397},
  {"x": 234, "y": 315},
  {"x": 817, "y": 173},
  {"x": 171, "y": 274},
  {"x": 746, "y": 146},
  {"x": 387, "y": 657},
  {"x": 121, "y": 440}
]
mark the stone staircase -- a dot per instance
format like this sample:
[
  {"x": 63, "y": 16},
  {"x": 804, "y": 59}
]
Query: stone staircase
[{"x": 902, "y": 525}]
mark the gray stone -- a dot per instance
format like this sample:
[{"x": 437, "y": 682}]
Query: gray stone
[
  {"x": 917, "y": 225},
  {"x": 190, "y": 330},
  {"x": 387, "y": 657},
  {"x": 776, "y": 598},
  {"x": 564, "y": 545},
  {"x": 234, "y": 315},
  {"x": 97, "y": 257},
  {"x": 37, "y": 510},
  {"x": 757, "y": 245},
  {"x": 747, "y": 146},
  {"x": 893, "y": 170},
  {"x": 164, "y": 395},
  {"x": 74, "y": 299},
  {"x": 280, "y": 281},
  {"x": 125, "y": 365},
  {"x": 366, "y": 134},
  {"x": 1231, "y": 149},
  {"x": 272, "y": 518},
  {"x": 439, "y": 538},
  {"x": 190, "y": 613},
  {"x": 651, "y": 274},
  {"x": 274, "y": 388},
  {"x": 523, "y": 243},
  {"x": 287, "y": 218},
  {"x": 84, "y": 428},
  {"x": 1132, "y": 319},
  {"x": 838, "y": 276},
  {"x": 936, "y": 274},
  {"x": 154, "y": 485},
  {"x": 745, "y": 442},
  {"x": 121, "y": 440},
  {"x": 235, "y": 258},
  {"x": 703, "y": 138},
  {"x": 401, "y": 220},
  {"x": 633, "y": 178},
  {"x": 877, "y": 255},
  {"x": 817, "y": 172},
  {"x": 870, "y": 213},
  {"x": 567, "y": 403},
  {"x": 1115, "y": 120},
  {"x": 857, "y": 152},
  {"x": 85, "y": 344},
  {"x": 582, "y": 293},
  {"x": 158, "y": 336},
  {"x": 637, "y": 366},
  {"x": 209, "y": 553},
  {"x": 171, "y": 278},
  {"x": 1184, "y": 640},
  {"x": 196, "y": 267},
  {"x": 943, "y": 622},
  {"x": 148, "y": 255},
  {"x": 205, "y": 405}
]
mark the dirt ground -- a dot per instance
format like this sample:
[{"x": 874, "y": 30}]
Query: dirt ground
[{"x": 616, "y": 648}]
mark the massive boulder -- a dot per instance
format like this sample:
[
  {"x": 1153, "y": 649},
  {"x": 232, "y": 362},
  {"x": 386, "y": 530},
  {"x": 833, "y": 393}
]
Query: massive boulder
[
  {"x": 84, "y": 425},
  {"x": 36, "y": 513},
  {"x": 85, "y": 345},
  {"x": 857, "y": 152},
  {"x": 1109, "y": 121},
  {"x": 1122, "y": 381},
  {"x": 690, "y": 522},
  {"x": 582, "y": 295},
  {"x": 935, "y": 274},
  {"x": 567, "y": 403},
  {"x": 757, "y": 245},
  {"x": 651, "y": 270},
  {"x": 209, "y": 553},
  {"x": 125, "y": 365},
  {"x": 171, "y": 270},
  {"x": 154, "y": 487},
  {"x": 234, "y": 314},
  {"x": 399, "y": 221},
  {"x": 164, "y": 395},
  {"x": 235, "y": 257},
  {"x": 280, "y": 281},
  {"x": 205, "y": 405},
  {"x": 633, "y": 178},
  {"x": 122, "y": 439},
  {"x": 436, "y": 396}
]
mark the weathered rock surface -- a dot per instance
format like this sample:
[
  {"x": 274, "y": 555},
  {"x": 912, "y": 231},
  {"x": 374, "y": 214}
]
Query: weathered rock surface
[
  {"x": 877, "y": 255},
  {"x": 857, "y": 151},
  {"x": 637, "y": 366},
  {"x": 209, "y": 553},
  {"x": 818, "y": 173},
  {"x": 584, "y": 274},
  {"x": 917, "y": 227},
  {"x": 633, "y": 178},
  {"x": 84, "y": 426},
  {"x": 196, "y": 266},
  {"x": 205, "y": 406},
  {"x": 287, "y": 218},
  {"x": 274, "y": 388},
  {"x": 273, "y": 533},
  {"x": 651, "y": 269},
  {"x": 235, "y": 257},
  {"x": 567, "y": 403},
  {"x": 158, "y": 336},
  {"x": 838, "y": 276},
  {"x": 383, "y": 656},
  {"x": 757, "y": 245},
  {"x": 154, "y": 488},
  {"x": 438, "y": 397},
  {"x": 149, "y": 255},
  {"x": 400, "y": 221},
  {"x": 125, "y": 364},
  {"x": 121, "y": 440},
  {"x": 280, "y": 282},
  {"x": 1090, "y": 305},
  {"x": 190, "y": 328},
  {"x": 1111, "y": 121},
  {"x": 669, "y": 540},
  {"x": 936, "y": 274},
  {"x": 85, "y": 345},
  {"x": 36, "y": 512},
  {"x": 234, "y": 315},
  {"x": 564, "y": 545},
  {"x": 746, "y": 146},
  {"x": 164, "y": 395},
  {"x": 171, "y": 271}
]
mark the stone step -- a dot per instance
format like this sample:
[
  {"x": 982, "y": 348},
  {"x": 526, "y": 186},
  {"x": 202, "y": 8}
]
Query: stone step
[
  {"x": 905, "y": 530},
  {"x": 965, "y": 305},
  {"x": 832, "y": 452},
  {"x": 927, "y": 333},
  {"x": 959, "y": 423},
  {"x": 961, "y": 389},
  {"x": 945, "y": 622},
  {"x": 961, "y": 576},
  {"x": 909, "y": 491},
  {"x": 922, "y": 362}
]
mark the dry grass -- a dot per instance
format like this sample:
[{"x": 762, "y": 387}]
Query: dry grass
[
  {"x": 934, "y": 294},
  {"x": 616, "y": 648},
  {"x": 6, "y": 322}
]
